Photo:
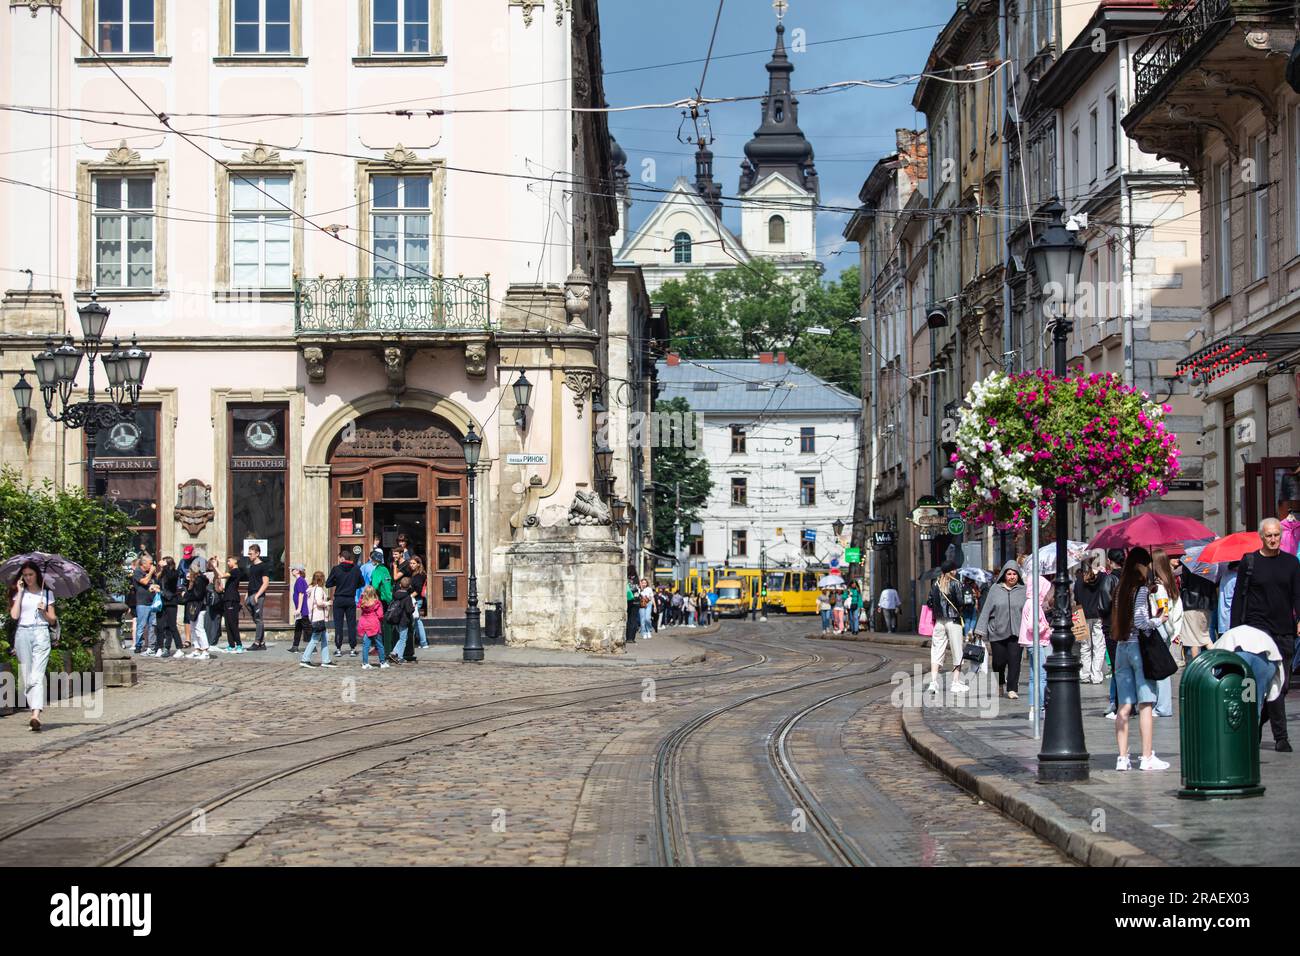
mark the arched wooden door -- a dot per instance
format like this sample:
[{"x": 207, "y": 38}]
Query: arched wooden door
[{"x": 402, "y": 472}]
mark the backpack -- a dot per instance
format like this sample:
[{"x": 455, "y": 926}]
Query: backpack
[{"x": 396, "y": 612}]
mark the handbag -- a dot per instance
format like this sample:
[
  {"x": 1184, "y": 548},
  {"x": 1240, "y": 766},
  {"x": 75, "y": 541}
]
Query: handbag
[
  {"x": 973, "y": 651},
  {"x": 156, "y": 603},
  {"x": 1080, "y": 626},
  {"x": 1157, "y": 662},
  {"x": 925, "y": 626}
]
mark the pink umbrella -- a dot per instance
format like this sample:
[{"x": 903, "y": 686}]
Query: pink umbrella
[{"x": 1150, "y": 530}]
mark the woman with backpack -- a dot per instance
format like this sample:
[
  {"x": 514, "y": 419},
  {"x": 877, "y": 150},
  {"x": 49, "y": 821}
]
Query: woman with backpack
[
  {"x": 318, "y": 606},
  {"x": 1133, "y": 612}
]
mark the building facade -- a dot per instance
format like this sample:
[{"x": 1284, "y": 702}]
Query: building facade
[
  {"x": 782, "y": 448},
  {"x": 336, "y": 285},
  {"x": 1217, "y": 89}
]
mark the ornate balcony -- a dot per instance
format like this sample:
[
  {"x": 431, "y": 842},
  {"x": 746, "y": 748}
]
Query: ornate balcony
[
  {"x": 390, "y": 308},
  {"x": 1188, "y": 24}
]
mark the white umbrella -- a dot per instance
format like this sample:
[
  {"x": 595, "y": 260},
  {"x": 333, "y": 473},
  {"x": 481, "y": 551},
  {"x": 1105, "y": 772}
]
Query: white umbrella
[
  {"x": 980, "y": 576},
  {"x": 1074, "y": 551},
  {"x": 831, "y": 582}
]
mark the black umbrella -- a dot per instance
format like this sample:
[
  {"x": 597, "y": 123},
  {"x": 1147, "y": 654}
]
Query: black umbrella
[{"x": 63, "y": 576}]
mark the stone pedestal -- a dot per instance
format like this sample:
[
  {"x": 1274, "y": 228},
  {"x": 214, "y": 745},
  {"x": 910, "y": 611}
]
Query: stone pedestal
[
  {"x": 565, "y": 589},
  {"x": 119, "y": 667}
]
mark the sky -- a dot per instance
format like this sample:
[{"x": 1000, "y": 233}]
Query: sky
[{"x": 849, "y": 130}]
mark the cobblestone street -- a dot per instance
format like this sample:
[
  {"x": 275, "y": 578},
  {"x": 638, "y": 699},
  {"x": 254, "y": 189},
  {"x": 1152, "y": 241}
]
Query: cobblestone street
[{"x": 774, "y": 749}]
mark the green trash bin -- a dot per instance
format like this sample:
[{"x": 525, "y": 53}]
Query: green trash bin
[{"x": 1219, "y": 730}]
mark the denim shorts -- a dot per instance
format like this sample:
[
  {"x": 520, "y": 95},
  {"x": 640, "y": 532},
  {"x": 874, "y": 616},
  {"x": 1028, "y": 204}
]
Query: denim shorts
[{"x": 1131, "y": 685}]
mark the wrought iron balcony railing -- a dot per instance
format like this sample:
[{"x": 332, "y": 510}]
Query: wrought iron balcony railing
[
  {"x": 360, "y": 306},
  {"x": 1184, "y": 26}
]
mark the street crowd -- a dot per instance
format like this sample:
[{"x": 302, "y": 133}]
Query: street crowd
[
  {"x": 653, "y": 608},
  {"x": 1117, "y": 604},
  {"x": 377, "y": 604}
]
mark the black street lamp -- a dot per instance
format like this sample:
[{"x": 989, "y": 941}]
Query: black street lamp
[
  {"x": 56, "y": 374},
  {"x": 1057, "y": 259},
  {"x": 838, "y": 527},
  {"x": 523, "y": 390},
  {"x": 23, "y": 396},
  {"x": 473, "y": 652}
]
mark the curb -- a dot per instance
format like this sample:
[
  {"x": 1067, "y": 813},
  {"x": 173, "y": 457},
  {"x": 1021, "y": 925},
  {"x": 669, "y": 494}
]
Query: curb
[
  {"x": 893, "y": 640},
  {"x": 1021, "y": 803}
]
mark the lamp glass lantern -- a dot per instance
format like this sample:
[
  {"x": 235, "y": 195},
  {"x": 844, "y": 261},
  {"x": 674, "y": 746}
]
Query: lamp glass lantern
[
  {"x": 94, "y": 319},
  {"x": 619, "y": 508},
  {"x": 1057, "y": 256},
  {"x": 838, "y": 527},
  {"x": 23, "y": 392},
  {"x": 604, "y": 458},
  {"x": 67, "y": 362},
  {"x": 135, "y": 361},
  {"x": 523, "y": 390},
  {"x": 472, "y": 445},
  {"x": 46, "y": 376}
]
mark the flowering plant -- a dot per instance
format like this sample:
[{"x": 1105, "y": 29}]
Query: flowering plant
[{"x": 1025, "y": 437}]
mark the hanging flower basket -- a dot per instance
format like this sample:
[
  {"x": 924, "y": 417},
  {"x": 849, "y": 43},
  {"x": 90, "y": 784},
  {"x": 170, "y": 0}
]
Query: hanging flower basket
[{"x": 1031, "y": 435}]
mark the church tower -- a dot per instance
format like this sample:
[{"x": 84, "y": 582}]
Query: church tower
[{"x": 778, "y": 180}]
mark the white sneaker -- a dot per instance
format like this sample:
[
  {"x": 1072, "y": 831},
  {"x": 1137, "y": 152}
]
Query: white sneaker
[
  {"x": 160, "y": 653},
  {"x": 193, "y": 655},
  {"x": 933, "y": 688},
  {"x": 1110, "y": 715},
  {"x": 203, "y": 656},
  {"x": 384, "y": 666},
  {"x": 1154, "y": 763},
  {"x": 1123, "y": 763},
  {"x": 179, "y": 653},
  {"x": 365, "y": 667},
  {"x": 304, "y": 664},
  {"x": 959, "y": 688}
]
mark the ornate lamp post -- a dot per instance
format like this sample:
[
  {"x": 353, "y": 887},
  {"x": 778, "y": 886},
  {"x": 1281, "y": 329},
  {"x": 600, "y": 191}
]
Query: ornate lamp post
[
  {"x": 473, "y": 652},
  {"x": 56, "y": 373},
  {"x": 523, "y": 390},
  {"x": 1057, "y": 260}
]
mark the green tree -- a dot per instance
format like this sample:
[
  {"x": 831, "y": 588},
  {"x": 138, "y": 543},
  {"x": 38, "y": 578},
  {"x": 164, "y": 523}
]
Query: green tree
[
  {"x": 89, "y": 531},
  {"x": 673, "y": 463},
  {"x": 750, "y": 309}
]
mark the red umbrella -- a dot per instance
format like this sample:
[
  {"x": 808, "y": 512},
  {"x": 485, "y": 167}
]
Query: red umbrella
[
  {"x": 1149, "y": 530},
  {"x": 1232, "y": 548}
]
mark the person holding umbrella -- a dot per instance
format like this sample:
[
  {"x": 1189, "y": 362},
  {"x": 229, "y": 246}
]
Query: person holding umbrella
[{"x": 31, "y": 604}]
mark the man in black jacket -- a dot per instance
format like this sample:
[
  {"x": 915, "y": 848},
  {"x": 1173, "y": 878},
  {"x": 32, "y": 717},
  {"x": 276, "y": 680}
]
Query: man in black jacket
[
  {"x": 1268, "y": 598},
  {"x": 346, "y": 579}
]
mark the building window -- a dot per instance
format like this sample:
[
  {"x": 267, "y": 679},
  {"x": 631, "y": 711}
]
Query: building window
[
  {"x": 740, "y": 491},
  {"x": 400, "y": 216},
  {"x": 262, "y": 26},
  {"x": 739, "y": 544},
  {"x": 1074, "y": 161},
  {"x": 807, "y": 440},
  {"x": 737, "y": 440},
  {"x": 1112, "y": 128},
  {"x": 682, "y": 248},
  {"x": 697, "y": 547},
  {"x": 1259, "y": 210},
  {"x": 1114, "y": 299},
  {"x": 125, "y": 26},
  {"x": 258, "y": 473},
  {"x": 776, "y": 230},
  {"x": 261, "y": 237},
  {"x": 125, "y": 472},
  {"x": 401, "y": 26},
  {"x": 124, "y": 238},
  {"x": 808, "y": 490},
  {"x": 1094, "y": 140},
  {"x": 809, "y": 548},
  {"x": 1223, "y": 234}
]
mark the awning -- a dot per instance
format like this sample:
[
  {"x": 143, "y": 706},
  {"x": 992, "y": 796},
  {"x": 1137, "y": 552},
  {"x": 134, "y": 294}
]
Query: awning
[{"x": 1232, "y": 352}]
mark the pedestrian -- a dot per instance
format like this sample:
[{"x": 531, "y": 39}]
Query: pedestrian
[
  {"x": 196, "y": 599},
  {"x": 258, "y": 581},
  {"x": 824, "y": 609},
  {"x": 145, "y": 586},
  {"x": 230, "y": 604},
  {"x": 345, "y": 578},
  {"x": 370, "y": 616},
  {"x": 999, "y": 624},
  {"x": 676, "y": 613},
  {"x": 1114, "y": 567},
  {"x": 646, "y": 604},
  {"x": 402, "y": 555},
  {"x": 944, "y": 602},
  {"x": 1164, "y": 589},
  {"x": 1032, "y": 624},
  {"x": 1227, "y": 589},
  {"x": 419, "y": 582},
  {"x": 381, "y": 579},
  {"x": 186, "y": 563},
  {"x": 632, "y": 595},
  {"x": 169, "y": 588},
  {"x": 703, "y": 608},
  {"x": 1130, "y": 615},
  {"x": 1089, "y": 592},
  {"x": 318, "y": 606},
  {"x": 854, "y": 597},
  {"x": 1200, "y": 603},
  {"x": 212, "y": 606},
  {"x": 889, "y": 604},
  {"x": 837, "y": 613},
  {"x": 970, "y": 608},
  {"x": 399, "y": 616},
  {"x": 1267, "y": 596},
  {"x": 31, "y": 605},
  {"x": 301, "y": 606}
]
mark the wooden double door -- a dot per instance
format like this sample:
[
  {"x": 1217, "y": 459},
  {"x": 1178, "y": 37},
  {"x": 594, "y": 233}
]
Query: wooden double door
[{"x": 374, "y": 501}]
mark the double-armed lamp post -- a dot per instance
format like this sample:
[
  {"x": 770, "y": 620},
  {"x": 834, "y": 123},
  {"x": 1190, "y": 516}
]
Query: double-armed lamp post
[{"x": 1057, "y": 261}]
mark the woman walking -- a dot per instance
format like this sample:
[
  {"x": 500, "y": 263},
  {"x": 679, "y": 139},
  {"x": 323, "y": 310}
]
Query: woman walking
[
  {"x": 837, "y": 613},
  {"x": 212, "y": 605},
  {"x": 1130, "y": 615},
  {"x": 999, "y": 623},
  {"x": 301, "y": 610},
  {"x": 647, "y": 602},
  {"x": 419, "y": 580},
  {"x": 169, "y": 583},
  {"x": 1168, "y": 598},
  {"x": 945, "y": 604},
  {"x": 32, "y": 605},
  {"x": 318, "y": 604},
  {"x": 370, "y": 618},
  {"x": 196, "y": 599}
]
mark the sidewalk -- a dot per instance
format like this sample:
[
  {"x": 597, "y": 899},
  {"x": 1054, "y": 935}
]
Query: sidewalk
[{"x": 1116, "y": 818}]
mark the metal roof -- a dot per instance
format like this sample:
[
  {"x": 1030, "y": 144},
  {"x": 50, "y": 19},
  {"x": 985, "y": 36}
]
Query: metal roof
[{"x": 748, "y": 385}]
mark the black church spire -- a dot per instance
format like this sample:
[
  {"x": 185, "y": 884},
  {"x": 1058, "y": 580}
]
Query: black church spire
[{"x": 779, "y": 145}]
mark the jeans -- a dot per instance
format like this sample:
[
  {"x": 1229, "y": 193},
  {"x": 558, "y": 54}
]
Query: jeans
[
  {"x": 145, "y": 615},
  {"x": 419, "y": 625},
  {"x": 1039, "y": 682},
  {"x": 399, "y": 649},
  {"x": 1090, "y": 654},
  {"x": 1164, "y": 698},
  {"x": 647, "y": 621},
  {"x": 1262, "y": 669},
  {"x": 1112, "y": 650},
  {"x": 254, "y": 606},
  {"x": 345, "y": 623},
  {"x": 318, "y": 637},
  {"x": 826, "y": 619},
  {"x": 855, "y": 618},
  {"x": 32, "y": 647},
  {"x": 366, "y": 641}
]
